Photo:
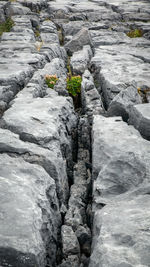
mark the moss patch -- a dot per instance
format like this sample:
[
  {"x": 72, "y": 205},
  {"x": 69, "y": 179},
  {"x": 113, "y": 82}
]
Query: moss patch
[
  {"x": 135, "y": 33},
  {"x": 6, "y": 26}
]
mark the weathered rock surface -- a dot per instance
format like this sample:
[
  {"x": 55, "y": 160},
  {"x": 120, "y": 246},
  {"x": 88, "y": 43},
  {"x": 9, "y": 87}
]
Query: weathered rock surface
[
  {"x": 80, "y": 60},
  {"x": 121, "y": 173},
  {"x": 28, "y": 220},
  {"x": 70, "y": 241},
  {"x": 91, "y": 99},
  {"x": 122, "y": 103},
  {"x": 140, "y": 118},
  {"x": 48, "y": 200},
  {"x": 121, "y": 234},
  {"x": 79, "y": 40},
  {"x": 124, "y": 72}
]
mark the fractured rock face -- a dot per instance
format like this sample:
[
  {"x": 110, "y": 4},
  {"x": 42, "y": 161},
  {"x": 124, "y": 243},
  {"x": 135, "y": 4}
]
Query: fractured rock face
[
  {"x": 121, "y": 182},
  {"x": 80, "y": 60},
  {"x": 78, "y": 41},
  {"x": 140, "y": 118},
  {"x": 121, "y": 234},
  {"x": 122, "y": 104},
  {"x": 26, "y": 214},
  {"x": 70, "y": 241}
]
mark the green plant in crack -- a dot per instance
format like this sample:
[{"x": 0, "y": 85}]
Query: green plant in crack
[
  {"x": 6, "y": 26},
  {"x": 37, "y": 33},
  {"x": 74, "y": 84},
  {"x": 135, "y": 33},
  {"x": 51, "y": 80}
]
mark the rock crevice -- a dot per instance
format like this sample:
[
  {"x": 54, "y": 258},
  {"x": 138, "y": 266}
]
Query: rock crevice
[{"x": 74, "y": 181}]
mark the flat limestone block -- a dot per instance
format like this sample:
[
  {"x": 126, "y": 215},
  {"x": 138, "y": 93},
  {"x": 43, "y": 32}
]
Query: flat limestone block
[
  {"x": 140, "y": 118},
  {"x": 51, "y": 160},
  {"x": 114, "y": 138},
  {"x": 121, "y": 183},
  {"x": 24, "y": 201},
  {"x": 15, "y": 74},
  {"x": 130, "y": 66},
  {"x": 121, "y": 234}
]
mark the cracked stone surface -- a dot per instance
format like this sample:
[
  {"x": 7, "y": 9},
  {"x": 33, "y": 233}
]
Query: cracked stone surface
[{"x": 74, "y": 183}]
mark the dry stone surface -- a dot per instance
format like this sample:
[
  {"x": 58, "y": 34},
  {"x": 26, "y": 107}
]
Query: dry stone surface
[{"x": 75, "y": 171}]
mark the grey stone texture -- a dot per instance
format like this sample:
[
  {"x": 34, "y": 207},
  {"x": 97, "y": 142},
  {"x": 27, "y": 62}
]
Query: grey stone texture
[
  {"x": 121, "y": 183},
  {"x": 60, "y": 193},
  {"x": 79, "y": 40},
  {"x": 140, "y": 118},
  {"x": 123, "y": 102},
  {"x": 80, "y": 60}
]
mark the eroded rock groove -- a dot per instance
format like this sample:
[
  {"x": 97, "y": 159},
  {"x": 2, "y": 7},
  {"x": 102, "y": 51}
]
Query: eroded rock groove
[{"x": 75, "y": 173}]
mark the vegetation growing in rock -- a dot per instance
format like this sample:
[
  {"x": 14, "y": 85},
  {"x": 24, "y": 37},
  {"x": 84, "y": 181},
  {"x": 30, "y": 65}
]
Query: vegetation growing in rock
[
  {"x": 74, "y": 84},
  {"x": 135, "y": 33},
  {"x": 6, "y": 26},
  {"x": 51, "y": 80},
  {"x": 37, "y": 33}
]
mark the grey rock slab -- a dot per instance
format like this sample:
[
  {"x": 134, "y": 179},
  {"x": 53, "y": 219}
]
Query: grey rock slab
[
  {"x": 49, "y": 37},
  {"x": 78, "y": 17},
  {"x": 127, "y": 69},
  {"x": 108, "y": 37},
  {"x": 122, "y": 104},
  {"x": 103, "y": 14},
  {"x": 34, "y": 5},
  {"x": 121, "y": 158},
  {"x": 34, "y": 59},
  {"x": 40, "y": 120},
  {"x": 72, "y": 27},
  {"x": 18, "y": 36},
  {"x": 80, "y": 60},
  {"x": 16, "y": 9},
  {"x": 53, "y": 51},
  {"x": 48, "y": 27},
  {"x": 91, "y": 99},
  {"x": 69, "y": 241},
  {"x": 140, "y": 118},
  {"x": 15, "y": 74},
  {"x": 22, "y": 21},
  {"x": 50, "y": 160},
  {"x": 121, "y": 234},
  {"x": 25, "y": 209},
  {"x": 79, "y": 40},
  {"x": 135, "y": 16},
  {"x": 10, "y": 47}
]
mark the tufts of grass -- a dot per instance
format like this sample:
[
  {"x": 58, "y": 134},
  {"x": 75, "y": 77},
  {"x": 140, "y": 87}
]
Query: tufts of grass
[
  {"x": 6, "y": 26},
  {"x": 135, "y": 33}
]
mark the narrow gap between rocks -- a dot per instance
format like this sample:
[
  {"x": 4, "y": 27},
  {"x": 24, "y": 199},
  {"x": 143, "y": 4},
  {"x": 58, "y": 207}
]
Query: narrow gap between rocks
[{"x": 76, "y": 237}]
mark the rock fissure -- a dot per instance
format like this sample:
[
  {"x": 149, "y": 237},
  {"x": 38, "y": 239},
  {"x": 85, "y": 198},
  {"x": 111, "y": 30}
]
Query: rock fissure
[{"x": 74, "y": 183}]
